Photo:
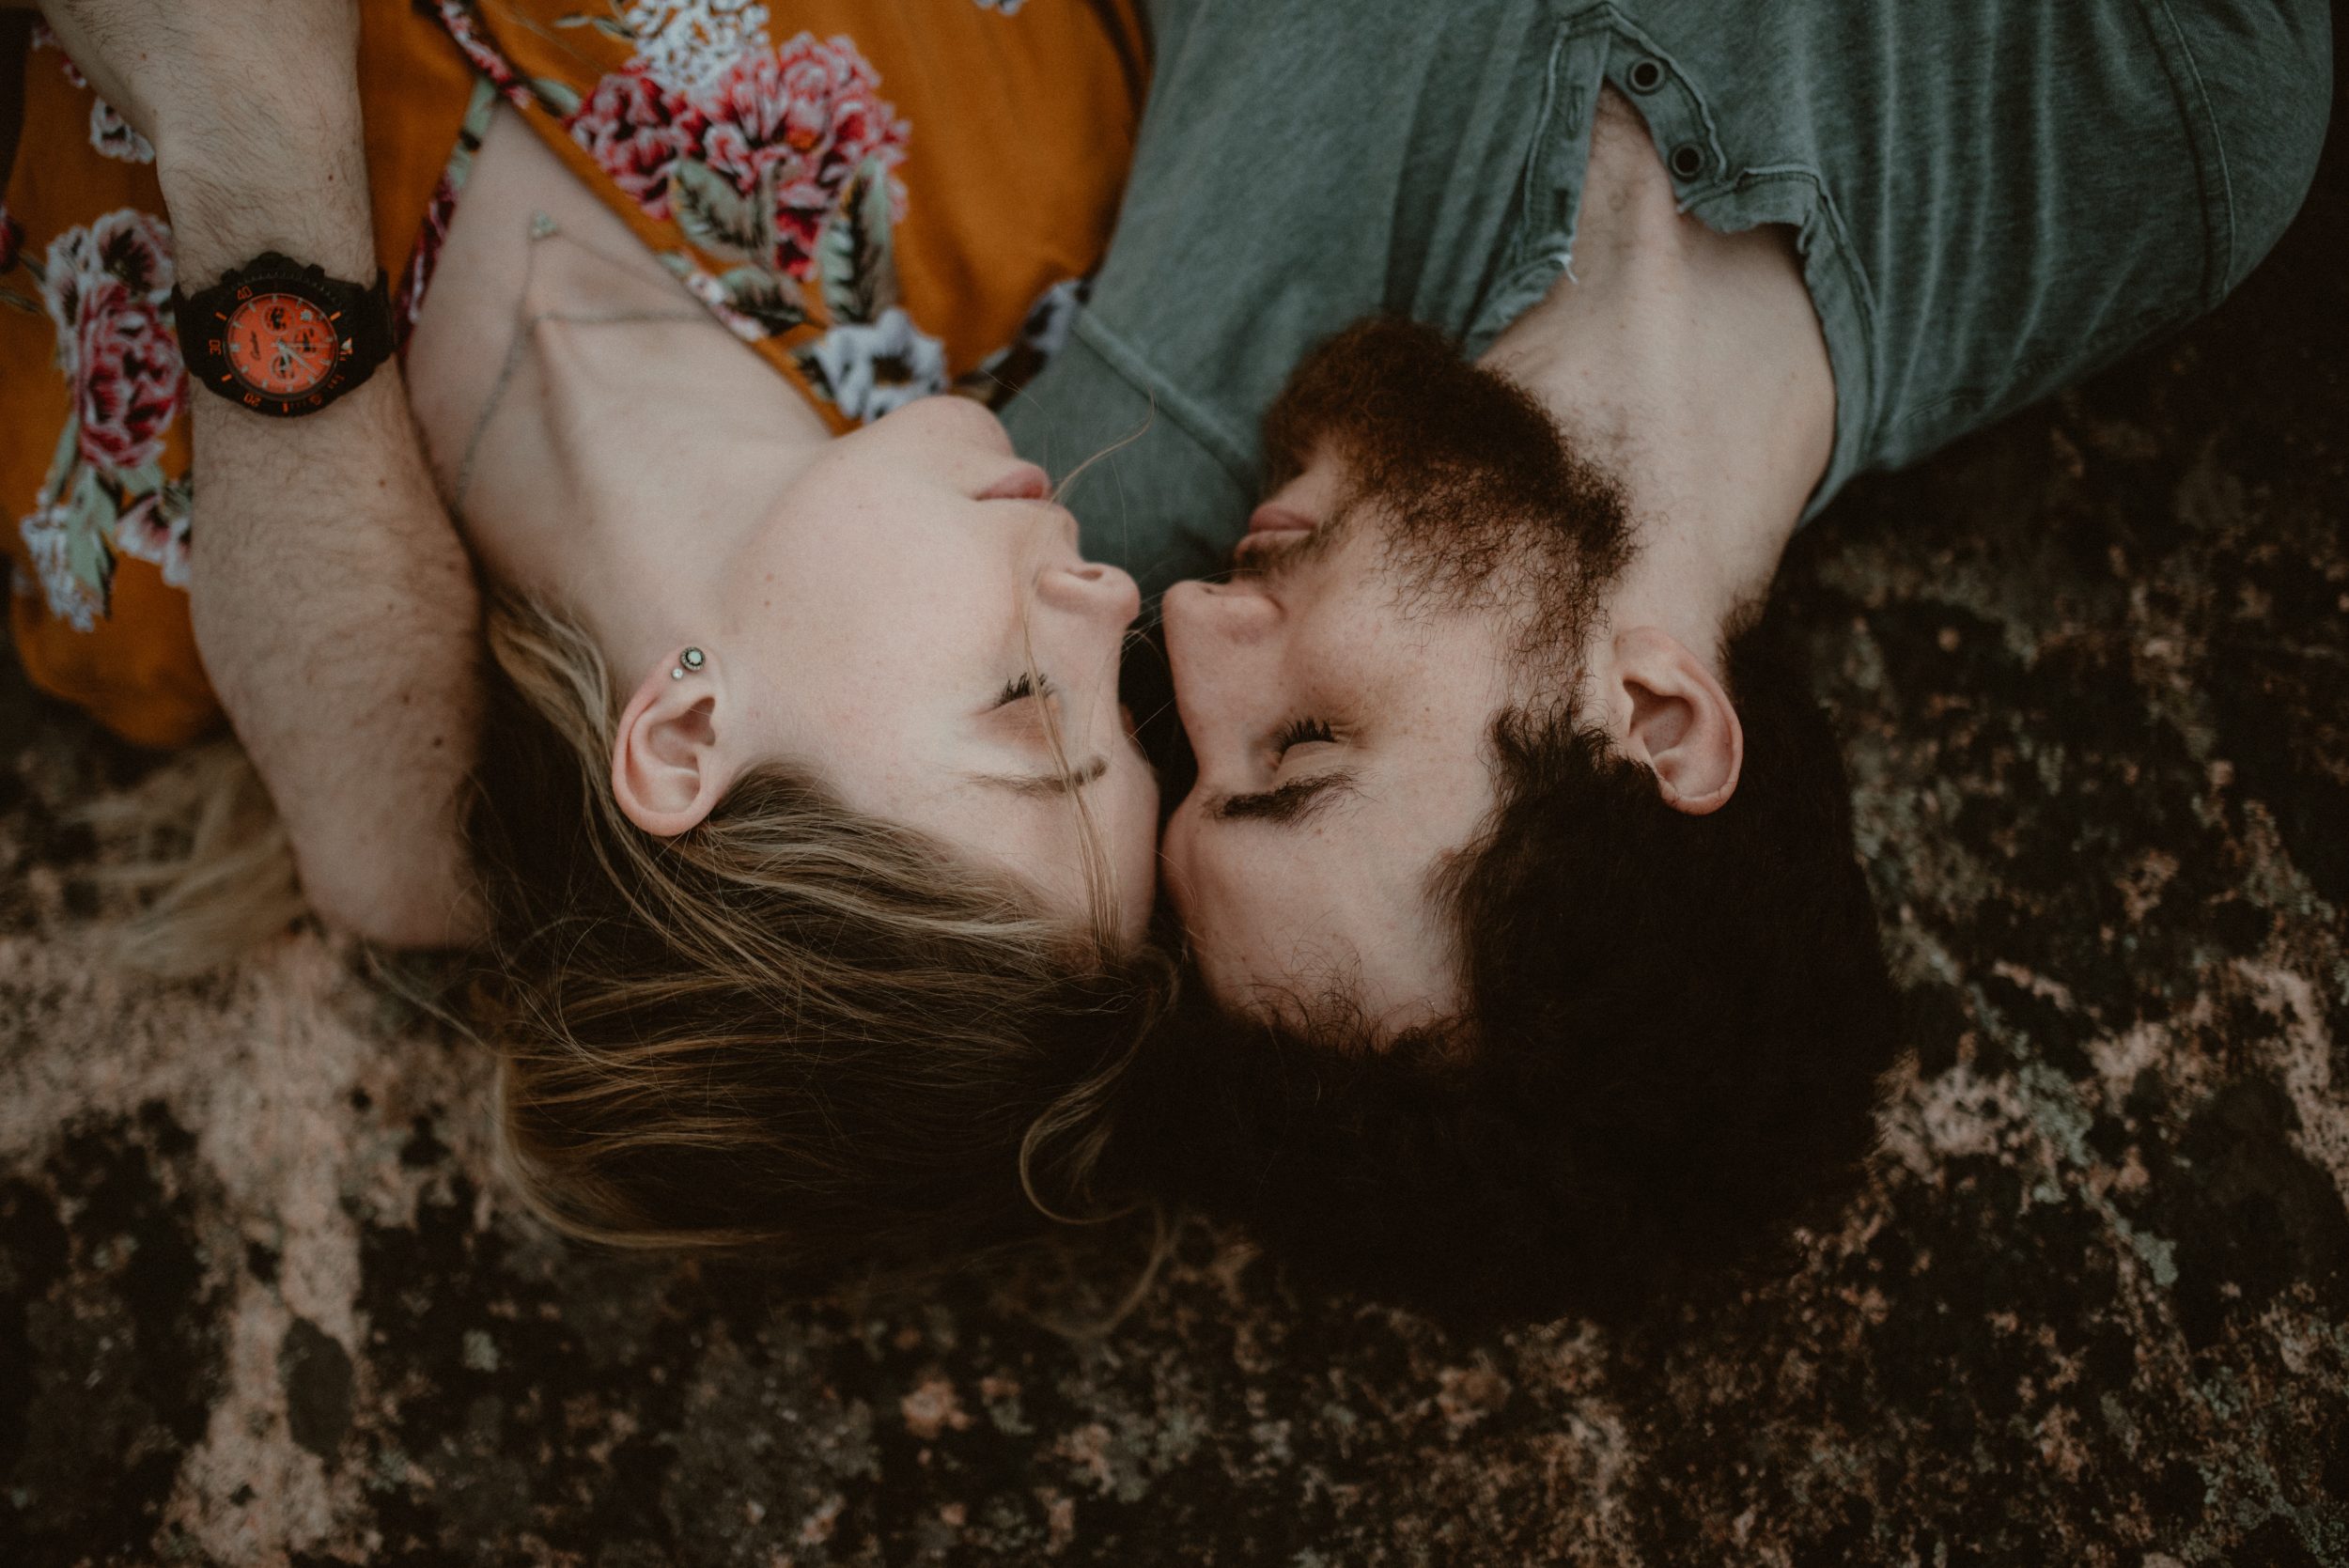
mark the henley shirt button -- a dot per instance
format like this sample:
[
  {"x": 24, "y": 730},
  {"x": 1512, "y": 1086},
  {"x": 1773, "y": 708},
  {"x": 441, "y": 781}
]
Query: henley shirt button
[
  {"x": 1688, "y": 161},
  {"x": 1644, "y": 77}
]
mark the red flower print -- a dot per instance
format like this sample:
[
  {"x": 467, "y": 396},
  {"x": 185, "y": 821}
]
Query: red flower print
[
  {"x": 44, "y": 38},
  {"x": 800, "y": 212},
  {"x": 637, "y": 132},
  {"x": 407, "y": 302},
  {"x": 797, "y": 124},
  {"x": 154, "y": 527},
  {"x": 460, "y": 20},
  {"x": 126, "y": 245},
  {"x": 105, "y": 287},
  {"x": 127, "y": 384},
  {"x": 786, "y": 127},
  {"x": 115, "y": 136}
]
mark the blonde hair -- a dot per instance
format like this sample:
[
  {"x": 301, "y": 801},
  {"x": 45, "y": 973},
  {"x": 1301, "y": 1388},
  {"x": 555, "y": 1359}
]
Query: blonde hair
[
  {"x": 202, "y": 853},
  {"x": 795, "y": 1027}
]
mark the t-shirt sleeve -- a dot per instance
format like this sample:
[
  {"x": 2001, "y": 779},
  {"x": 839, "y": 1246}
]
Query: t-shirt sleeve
[
  {"x": 2264, "y": 68},
  {"x": 1153, "y": 497}
]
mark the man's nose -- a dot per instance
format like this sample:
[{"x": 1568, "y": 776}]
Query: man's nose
[
  {"x": 1221, "y": 641},
  {"x": 1199, "y": 612}
]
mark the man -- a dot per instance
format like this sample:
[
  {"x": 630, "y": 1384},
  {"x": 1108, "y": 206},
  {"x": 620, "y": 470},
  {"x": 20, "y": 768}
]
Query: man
[{"x": 1518, "y": 867}]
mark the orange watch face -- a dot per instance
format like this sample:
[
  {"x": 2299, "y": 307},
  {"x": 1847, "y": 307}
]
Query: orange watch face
[{"x": 280, "y": 344}]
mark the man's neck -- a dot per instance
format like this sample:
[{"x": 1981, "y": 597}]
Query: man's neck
[{"x": 1690, "y": 366}]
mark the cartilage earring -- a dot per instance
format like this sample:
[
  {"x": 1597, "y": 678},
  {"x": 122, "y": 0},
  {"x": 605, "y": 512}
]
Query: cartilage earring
[{"x": 693, "y": 658}]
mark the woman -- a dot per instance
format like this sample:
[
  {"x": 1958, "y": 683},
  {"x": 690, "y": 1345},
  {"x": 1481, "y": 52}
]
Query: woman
[{"x": 814, "y": 856}]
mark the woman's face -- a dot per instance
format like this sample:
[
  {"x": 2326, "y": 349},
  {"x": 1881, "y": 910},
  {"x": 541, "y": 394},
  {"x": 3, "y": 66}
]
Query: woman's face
[{"x": 908, "y": 623}]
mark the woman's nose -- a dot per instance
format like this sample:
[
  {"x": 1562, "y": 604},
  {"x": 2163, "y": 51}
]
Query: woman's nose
[{"x": 1091, "y": 588}]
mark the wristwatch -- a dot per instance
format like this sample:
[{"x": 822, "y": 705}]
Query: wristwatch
[{"x": 283, "y": 338}]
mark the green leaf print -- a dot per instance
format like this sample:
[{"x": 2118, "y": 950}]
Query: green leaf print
[
  {"x": 65, "y": 462},
  {"x": 608, "y": 27},
  {"x": 812, "y": 368},
  {"x": 716, "y": 216},
  {"x": 90, "y": 556},
  {"x": 768, "y": 300},
  {"x": 560, "y": 97},
  {"x": 856, "y": 257}
]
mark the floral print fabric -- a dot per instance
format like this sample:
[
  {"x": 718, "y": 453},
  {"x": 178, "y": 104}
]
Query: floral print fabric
[
  {"x": 775, "y": 169},
  {"x": 106, "y": 287},
  {"x": 886, "y": 198},
  {"x": 781, "y": 161},
  {"x": 757, "y": 154}
]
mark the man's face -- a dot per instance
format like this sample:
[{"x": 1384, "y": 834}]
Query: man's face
[{"x": 1431, "y": 554}]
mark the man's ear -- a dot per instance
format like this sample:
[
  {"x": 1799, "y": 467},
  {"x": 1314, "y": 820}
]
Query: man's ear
[
  {"x": 667, "y": 768},
  {"x": 1677, "y": 720}
]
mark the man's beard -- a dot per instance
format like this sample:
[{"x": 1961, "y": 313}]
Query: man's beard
[{"x": 1481, "y": 501}]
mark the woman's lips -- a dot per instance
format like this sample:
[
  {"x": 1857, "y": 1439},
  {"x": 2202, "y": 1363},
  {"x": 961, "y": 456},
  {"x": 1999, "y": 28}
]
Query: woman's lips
[{"x": 1024, "y": 482}]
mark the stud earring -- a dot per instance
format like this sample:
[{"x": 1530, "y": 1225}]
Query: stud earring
[{"x": 693, "y": 658}]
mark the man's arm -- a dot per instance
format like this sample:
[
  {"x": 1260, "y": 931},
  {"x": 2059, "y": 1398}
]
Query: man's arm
[{"x": 333, "y": 601}]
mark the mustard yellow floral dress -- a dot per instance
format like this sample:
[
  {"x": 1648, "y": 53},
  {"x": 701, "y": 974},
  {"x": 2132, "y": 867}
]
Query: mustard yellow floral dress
[{"x": 885, "y": 198}]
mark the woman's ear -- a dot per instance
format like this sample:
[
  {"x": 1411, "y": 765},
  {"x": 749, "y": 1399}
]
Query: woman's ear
[
  {"x": 667, "y": 768},
  {"x": 1679, "y": 722}
]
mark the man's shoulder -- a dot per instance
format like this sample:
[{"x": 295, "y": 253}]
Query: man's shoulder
[
  {"x": 2260, "y": 75},
  {"x": 1997, "y": 196}
]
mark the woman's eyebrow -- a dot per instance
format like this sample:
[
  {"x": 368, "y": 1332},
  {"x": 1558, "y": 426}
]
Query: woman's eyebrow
[
  {"x": 1045, "y": 783},
  {"x": 1291, "y": 803}
]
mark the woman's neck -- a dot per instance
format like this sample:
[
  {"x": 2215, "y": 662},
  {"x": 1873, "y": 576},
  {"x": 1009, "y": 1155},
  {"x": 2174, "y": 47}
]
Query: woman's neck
[
  {"x": 639, "y": 446},
  {"x": 605, "y": 442}
]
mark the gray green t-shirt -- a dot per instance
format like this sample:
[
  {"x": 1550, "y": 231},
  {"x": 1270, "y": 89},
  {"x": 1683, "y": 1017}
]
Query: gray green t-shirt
[{"x": 1991, "y": 198}]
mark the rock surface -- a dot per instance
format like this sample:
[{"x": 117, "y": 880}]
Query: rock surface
[{"x": 261, "y": 1300}]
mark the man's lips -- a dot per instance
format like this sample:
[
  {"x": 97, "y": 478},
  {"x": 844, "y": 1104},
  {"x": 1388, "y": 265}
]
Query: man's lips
[
  {"x": 1273, "y": 517},
  {"x": 1271, "y": 526}
]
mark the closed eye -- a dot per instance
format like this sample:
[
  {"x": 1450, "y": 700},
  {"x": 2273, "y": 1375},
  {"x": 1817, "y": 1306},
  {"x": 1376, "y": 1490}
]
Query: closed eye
[
  {"x": 1023, "y": 685},
  {"x": 1291, "y": 803},
  {"x": 1302, "y": 732},
  {"x": 1299, "y": 798}
]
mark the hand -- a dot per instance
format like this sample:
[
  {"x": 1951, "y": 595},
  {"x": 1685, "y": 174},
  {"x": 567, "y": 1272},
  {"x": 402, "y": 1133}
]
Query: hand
[{"x": 191, "y": 71}]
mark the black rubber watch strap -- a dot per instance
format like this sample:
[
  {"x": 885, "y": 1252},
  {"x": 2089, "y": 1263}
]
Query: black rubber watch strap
[{"x": 359, "y": 315}]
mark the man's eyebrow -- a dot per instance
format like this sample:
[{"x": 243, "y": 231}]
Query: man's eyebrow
[
  {"x": 1046, "y": 785},
  {"x": 1288, "y": 805}
]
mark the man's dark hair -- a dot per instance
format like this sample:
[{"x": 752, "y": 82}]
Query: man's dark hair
[{"x": 1667, "y": 1055}]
